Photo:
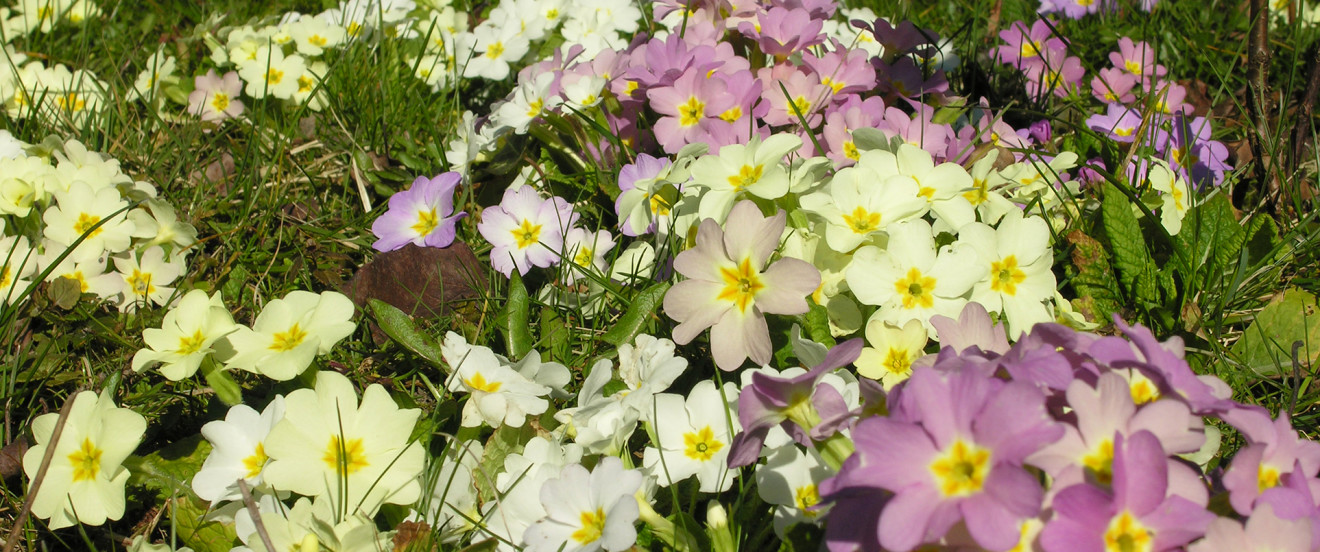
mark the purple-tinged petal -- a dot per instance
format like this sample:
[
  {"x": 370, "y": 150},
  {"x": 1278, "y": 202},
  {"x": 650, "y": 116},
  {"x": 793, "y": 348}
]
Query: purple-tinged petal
[{"x": 904, "y": 520}]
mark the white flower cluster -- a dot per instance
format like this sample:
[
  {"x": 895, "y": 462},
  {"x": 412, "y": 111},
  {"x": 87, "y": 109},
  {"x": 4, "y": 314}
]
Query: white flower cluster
[
  {"x": 57, "y": 94},
  {"x": 74, "y": 213},
  {"x": 30, "y": 16}
]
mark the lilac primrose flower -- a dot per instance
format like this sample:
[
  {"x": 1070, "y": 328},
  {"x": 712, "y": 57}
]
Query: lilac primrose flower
[
  {"x": 1164, "y": 364},
  {"x": 525, "y": 230},
  {"x": 952, "y": 450},
  {"x": 730, "y": 289},
  {"x": 422, "y": 215},
  {"x": 770, "y": 401},
  {"x": 1273, "y": 450},
  {"x": 1139, "y": 514},
  {"x": 1119, "y": 123}
]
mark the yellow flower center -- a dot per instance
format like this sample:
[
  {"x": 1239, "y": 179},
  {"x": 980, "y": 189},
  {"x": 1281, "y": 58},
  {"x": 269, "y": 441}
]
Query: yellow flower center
[
  {"x": 274, "y": 76},
  {"x": 191, "y": 344},
  {"x": 534, "y": 108},
  {"x": 690, "y": 113},
  {"x": 354, "y": 29},
  {"x": 1005, "y": 275},
  {"x": 317, "y": 40},
  {"x": 305, "y": 84},
  {"x": 345, "y": 457},
  {"x": 978, "y": 193},
  {"x": 802, "y": 104},
  {"x": 659, "y": 205},
  {"x": 834, "y": 85},
  {"x": 1126, "y": 534},
  {"x": 86, "y": 461},
  {"x": 741, "y": 284},
  {"x": 1100, "y": 462},
  {"x": 898, "y": 361},
  {"x": 427, "y": 220},
  {"x": 478, "y": 382},
  {"x": 850, "y": 151},
  {"x": 961, "y": 469},
  {"x": 140, "y": 283},
  {"x": 732, "y": 114},
  {"x": 593, "y": 524},
  {"x": 916, "y": 289},
  {"x": 85, "y": 223},
  {"x": 701, "y": 445},
  {"x": 861, "y": 221},
  {"x": 1143, "y": 390},
  {"x": 1267, "y": 477},
  {"x": 71, "y": 102},
  {"x": 257, "y": 460},
  {"x": 288, "y": 340},
  {"x": 220, "y": 101},
  {"x": 746, "y": 176},
  {"x": 1132, "y": 66},
  {"x": 584, "y": 256},
  {"x": 1123, "y": 131},
  {"x": 4, "y": 277},
  {"x": 1030, "y": 48},
  {"x": 495, "y": 50},
  {"x": 527, "y": 235},
  {"x": 804, "y": 498}
]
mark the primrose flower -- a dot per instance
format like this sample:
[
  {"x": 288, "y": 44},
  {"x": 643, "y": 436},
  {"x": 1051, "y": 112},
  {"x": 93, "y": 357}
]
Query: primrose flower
[
  {"x": 691, "y": 107},
  {"x": 525, "y": 230},
  {"x": 756, "y": 168},
  {"x": 693, "y": 436},
  {"x": 145, "y": 280},
  {"x": 215, "y": 98},
  {"x": 272, "y": 73},
  {"x": 159, "y": 71},
  {"x": 953, "y": 449},
  {"x": 1140, "y": 510},
  {"x": 422, "y": 215},
  {"x": 588, "y": 511},
  {"x": 77, "y": 212},
  {"x": 85, "y": 480},
  {"x": 586, "y": 252},
  {"x": 730, "y": 289},
  {"x": 1273, "y": 448},
  {"x": 238, "y": 451},
  {"x": 860, "y": 202},
  {"x": 500, "y": 395},
  {"x": 290, "y": 332},
  {"x": 16, "y": 265},
  {"x": 186, "y": 335},
  {"x": 893, "y": 350},
  {"x": 1016, "y": 259},
  {"x": 356, "y": 455},
  {"x": 789, "y": 480},
  {"x": 1176, "y": 198},
  {"x": 1264, "y": 531}
]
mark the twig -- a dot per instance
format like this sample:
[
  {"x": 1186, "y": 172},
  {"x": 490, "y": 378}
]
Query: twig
[
  {"x": 1258, "y": 61},
  {"x": 256, "y": 514},
  {"x": 40, "y": 476},
  {"x": 1302, "y": 129}
]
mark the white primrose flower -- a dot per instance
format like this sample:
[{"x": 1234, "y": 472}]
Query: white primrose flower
[
  {"x": 355, "y": 456},
  {"x": 1018, "y": 257},
  {"x": 88, "y": 273},
  {"x": 788, "y": 479},
  {"x": 1175, "y": 197},
  {"x": 529, "y": 100},
  {"x": 588, "y": 511},
  {"x": 892, "y": 350},
  {"x": 911, "y": 280},
  {"x": 807, "y": 244},
  {"x": 167, "y": 228},
  {"x": 314, "y": 35},
  {"x": 987, "y": 191},
  {"x": 635, "y": 263},
  {"x": 490, "y": 49},
  {"x": 270, "y": 72},
  {"x": 146, "y": 280},
  {"x": 186, "y": 335},
  {"x": 77, "y": 213},
  {"x": 24, "y": 181},
  {"x": 76, "y": 163},
  {"x": 10, "y": 147},
  {"x": 860, "y": 202},
  {"x": 499, "y": 395},
  {"x": 942, "y": 185},
  {"x": 693, "y": 436},
  {"x": 158, "y": 71},
  {"x": 17, "y": 263},
  {"x": 238, "y": 451},
  {"x": 586, "y": 253},
  {"x": 756, "y": 168},
  {"x": 290, "y": 332},
  {"x": 519, "y": 487}
]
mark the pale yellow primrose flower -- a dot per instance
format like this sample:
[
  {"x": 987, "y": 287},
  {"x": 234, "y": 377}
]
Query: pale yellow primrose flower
[
  {"x": 290, "y": 332},
  {"x": 892, "y": 350},
  {"x": 85, "y": 480},
  {"x": 357, "y": 456},
  {"x": 186, "y": 335}
]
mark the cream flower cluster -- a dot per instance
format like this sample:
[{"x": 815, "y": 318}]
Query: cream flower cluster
[
  {"x": 42, "y": 16},
  {"x": 56, "y": 94},
  {"x": 89, "y": 223}
]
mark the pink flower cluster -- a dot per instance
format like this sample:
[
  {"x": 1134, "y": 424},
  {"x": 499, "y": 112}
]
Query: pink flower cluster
[{"x": 1116, "y": 423}]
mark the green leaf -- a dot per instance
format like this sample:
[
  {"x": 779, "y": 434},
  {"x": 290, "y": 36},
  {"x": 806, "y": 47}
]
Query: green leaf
[
  {"x": 1211, "y": 238},
  {"x": 195, "y": 531},
  {"x": 639, "y": 313},
  {"x": 817, "y": 322},
  {"x": 1127, "y": 243},
  {"x": 64, "y": 292},
  {"x": 226, "y": 389},
  {"x": 1267, "y": 344},
  {"x": 506, "y": 440},
  {"x": 169, "y": 471},
  {"x": 1093, "y": 278},
  {"x": 556, "y": 333},
  {"x": 517, "y": 336},
  {"x": 1262, "y": 239},
  {"x": 401, "y": 328}
]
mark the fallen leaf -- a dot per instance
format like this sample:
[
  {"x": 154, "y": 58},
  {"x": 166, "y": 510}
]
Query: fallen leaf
[{"x": 425, "y": 282}]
